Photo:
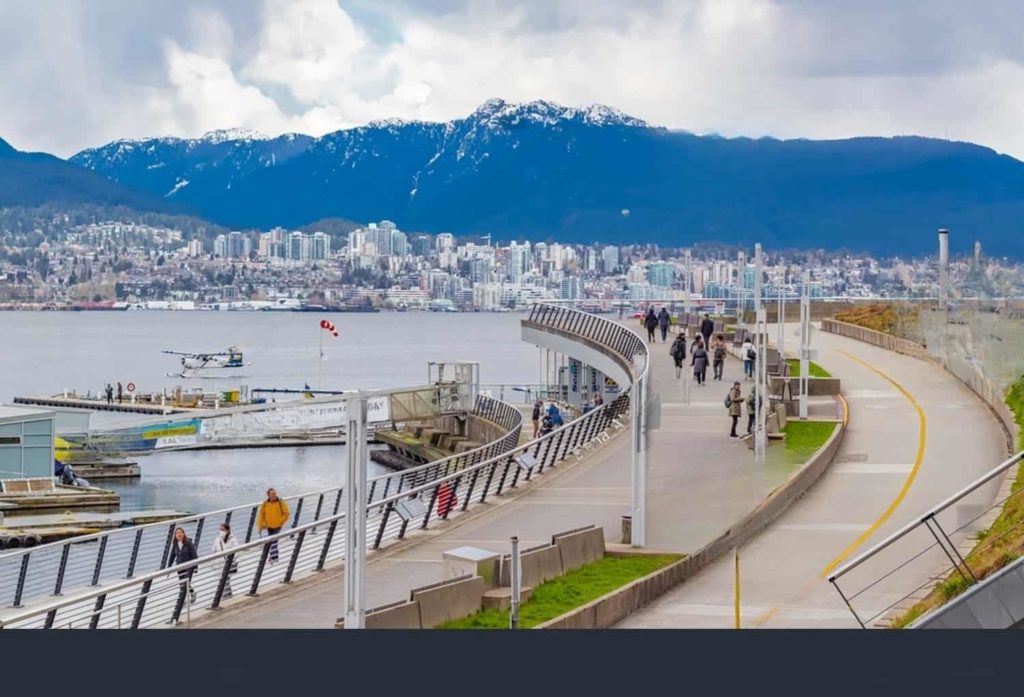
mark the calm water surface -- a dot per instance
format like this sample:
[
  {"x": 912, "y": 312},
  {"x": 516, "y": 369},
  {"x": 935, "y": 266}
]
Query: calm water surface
[{"x": 46, "y": 352}]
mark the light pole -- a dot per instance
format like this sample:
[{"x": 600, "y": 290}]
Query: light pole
[
  {"x": 638, "y": 414},
  {"x": 355, "y": 515},
  {"x": 805, "y": 341},
  {"x": 761, "y": 336}
]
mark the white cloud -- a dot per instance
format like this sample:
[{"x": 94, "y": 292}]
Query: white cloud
[{"x": 736, "y": 67}]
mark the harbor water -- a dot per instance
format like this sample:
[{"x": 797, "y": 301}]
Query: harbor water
[{"x": 46, "y": 352}]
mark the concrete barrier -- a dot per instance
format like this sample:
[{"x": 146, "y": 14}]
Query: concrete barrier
[
  {"x": 579, "y": 547},
  {"x": 615, "y": 606},
  {"x": 448, "y": 600},
  {"x": 405, "y": 614},
  {"x": 537, "y": 565},
  {"x": 816, "y": 387}
]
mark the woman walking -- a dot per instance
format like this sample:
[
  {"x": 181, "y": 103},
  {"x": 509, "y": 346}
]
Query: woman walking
[
  {"x": 182, "y": 551},
  {"x": 651, "y": 323},
  {"x": 226, "y": 540},
  {"x": 699, "y": 361}
]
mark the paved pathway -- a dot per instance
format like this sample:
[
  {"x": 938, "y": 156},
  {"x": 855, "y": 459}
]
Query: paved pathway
[
  {"x": 700, "y": 482},
  {"x": 894, "y": 463}
]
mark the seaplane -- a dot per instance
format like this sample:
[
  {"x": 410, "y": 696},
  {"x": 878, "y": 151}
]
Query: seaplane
[{"x": 207, "y": 364}]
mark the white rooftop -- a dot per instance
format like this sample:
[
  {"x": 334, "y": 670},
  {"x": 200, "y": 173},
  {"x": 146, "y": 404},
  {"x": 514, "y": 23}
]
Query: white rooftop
[{"x": 9, "y": 413}]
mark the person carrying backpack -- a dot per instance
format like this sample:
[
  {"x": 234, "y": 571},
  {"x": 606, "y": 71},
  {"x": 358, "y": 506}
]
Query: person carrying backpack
[
  {"x": 749, "y": 356},
  {"x": 718, "y": 348},
  {"x": 272, "y": 517},
  {"x": 734, "y": 403},
  {"x": 678, "y": 353}
]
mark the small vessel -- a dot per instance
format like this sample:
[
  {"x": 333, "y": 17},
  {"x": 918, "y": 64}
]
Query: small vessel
[{"x": 208, "y": 364}]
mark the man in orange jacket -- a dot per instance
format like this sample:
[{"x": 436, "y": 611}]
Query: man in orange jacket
[{"x": 272, "y": 517}]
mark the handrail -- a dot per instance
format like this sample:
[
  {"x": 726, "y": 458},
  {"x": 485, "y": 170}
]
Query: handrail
[
  {"x": 388, "y": 516},
  {"x": 930, "y": 513},
  {"x": 121, "y": 551}
]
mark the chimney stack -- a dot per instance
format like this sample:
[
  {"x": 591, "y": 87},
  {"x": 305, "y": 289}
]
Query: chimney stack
[{"x": 943, "y": 267}]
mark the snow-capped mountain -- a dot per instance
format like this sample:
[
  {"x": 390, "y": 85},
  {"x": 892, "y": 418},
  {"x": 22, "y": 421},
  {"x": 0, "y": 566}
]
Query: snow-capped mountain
[{"x": 541, "y": 169}]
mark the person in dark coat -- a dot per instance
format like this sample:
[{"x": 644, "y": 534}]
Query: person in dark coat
[
  {"x": 536, "y": 417},
  {"x": 651, "y": 323},
  {"x": 678, "y": 353},
  {"x": 183, "y": 550},
  {"x": 663, "y": 321},
  {"x": 699, "y": 361},
  {"x": 707, "y": 327}
]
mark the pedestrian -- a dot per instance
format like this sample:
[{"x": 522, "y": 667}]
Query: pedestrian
[
  {"x": 749, "y": 356},
  {"x": 734, "y": 403},
  {"x": 678, "y": 353},
  {"x": 110, "y": 393},
  {"x": 707, "y": 327},
  {"x": 598, "y": 401},
  {"x": 546, "y": 426},
  {"x": 182, "y": 552},
  {"x": 663, "y": 321},
  {"x": 555, "y": 415},
  {"x": 536, "y": 417},
  {"x": 225, "y": 541},
  {"x": 718, "y": 354},
  {"x": 699, "y": 361},
  {"x": 120, "y": 393},
  {"x": 751, "y": 410},
  {"x": 273, "y": 515},
  {"x": 651, "y": 323}
]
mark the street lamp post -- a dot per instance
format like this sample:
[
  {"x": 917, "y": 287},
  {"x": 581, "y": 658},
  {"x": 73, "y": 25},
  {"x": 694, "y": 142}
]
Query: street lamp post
[{"x": 355, "y": 515}]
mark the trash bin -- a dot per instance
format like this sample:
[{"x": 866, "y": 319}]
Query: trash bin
[{"x": 627, "y": 529}]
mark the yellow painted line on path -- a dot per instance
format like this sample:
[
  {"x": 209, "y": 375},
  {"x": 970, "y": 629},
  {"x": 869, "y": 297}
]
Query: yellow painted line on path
[{"x": 904, "y": 490}]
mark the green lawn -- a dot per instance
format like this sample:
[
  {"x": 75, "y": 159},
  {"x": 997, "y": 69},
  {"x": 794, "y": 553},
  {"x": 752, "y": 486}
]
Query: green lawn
[
  {"x": 803, "y": 438},
  {"x": 815, "y": 370},
  {"x": 560, "y": 595}
]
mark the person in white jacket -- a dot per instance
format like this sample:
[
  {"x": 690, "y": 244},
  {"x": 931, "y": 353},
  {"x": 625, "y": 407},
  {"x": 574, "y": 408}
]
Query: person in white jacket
[{"x": 224, "y": 541}]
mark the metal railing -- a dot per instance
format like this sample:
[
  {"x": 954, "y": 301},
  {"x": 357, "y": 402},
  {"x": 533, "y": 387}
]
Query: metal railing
[
  {"x": 877, "y": 579},
  {"x": 397, "y": 503},
  {"x": 157, "y": 597},
  {"x": 89, "y": 560},
  {"x": 611, "y": 335}
]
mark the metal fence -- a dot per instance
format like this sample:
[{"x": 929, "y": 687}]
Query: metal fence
[
  {"x": 876, "y": 582},
  {"x": 123, "y": 578},
  {"x": 105, "y": 557}
]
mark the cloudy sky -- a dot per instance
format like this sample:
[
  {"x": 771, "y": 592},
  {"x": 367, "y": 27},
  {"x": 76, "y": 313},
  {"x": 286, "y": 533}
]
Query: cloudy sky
[{"x": 79, "y": 73}]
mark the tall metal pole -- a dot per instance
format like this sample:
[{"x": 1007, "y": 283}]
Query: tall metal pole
[
  {"x": 805, "y": 341},
  {"x": 781, "y": 318},
  {"x": 355, "y": 515},
  {"x": 638, "y": 413},
  {"x": 943, "y": 268},
  {"x": 761, "y": 317},
  {"x": 687, "y": 308},
  {"x": 517, "y": 585}
]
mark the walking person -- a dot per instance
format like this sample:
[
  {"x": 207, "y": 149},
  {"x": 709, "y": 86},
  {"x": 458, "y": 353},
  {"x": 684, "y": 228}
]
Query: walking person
[
  {"x": 272, "y": 517},
  {"x": 536, "y": 417},
  {"x": 734, "y": 402},
  {"x": 120, "y": 393},
  {"x": 110, "y": 393},
  {"x": 678, "y": 353},
  {"x": 225, "y": 541},
  {"x": 182, "y": 551},
  {"x": 699, "y": 361},
  {"x": 718, "y": 356},
  {"x": 651, "y": 323},
  {"x": 663, "y": 321},
  {"x": 749, "y": 356},
  {"x": 707, "y": 327}
]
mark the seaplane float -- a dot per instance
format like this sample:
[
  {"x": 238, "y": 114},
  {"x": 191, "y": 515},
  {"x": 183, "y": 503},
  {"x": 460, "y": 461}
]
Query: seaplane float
[{"x": 212, "y": 365}]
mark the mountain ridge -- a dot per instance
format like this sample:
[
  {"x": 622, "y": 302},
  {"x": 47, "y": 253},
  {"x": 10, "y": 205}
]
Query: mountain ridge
[{"x": 580, "y": 174}]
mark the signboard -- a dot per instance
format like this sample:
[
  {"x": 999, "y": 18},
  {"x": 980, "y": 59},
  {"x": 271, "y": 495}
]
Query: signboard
[{"x": 719, "y": 307}]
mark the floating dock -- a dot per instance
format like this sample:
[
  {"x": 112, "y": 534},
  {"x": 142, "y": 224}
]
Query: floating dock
[
  {"x": 29, "y": 530},
  {"x": 95, "y": 404}
]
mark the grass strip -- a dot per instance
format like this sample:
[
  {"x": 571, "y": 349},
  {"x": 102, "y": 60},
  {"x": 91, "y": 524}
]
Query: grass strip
[
  {"x": 575, "y": 589},
  {"x": 813, "y": 369}
]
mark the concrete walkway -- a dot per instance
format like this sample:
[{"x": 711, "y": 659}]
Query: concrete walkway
[
  {"x": 885, "y": 473},
  {"x": 700, "y": 482}
]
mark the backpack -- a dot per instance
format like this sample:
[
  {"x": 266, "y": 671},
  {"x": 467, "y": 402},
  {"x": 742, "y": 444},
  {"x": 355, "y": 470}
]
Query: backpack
[
  {"x": 728, "y": 402},
  {"x": 719, "y": 353},
  {"x": 751, "y": 354}
]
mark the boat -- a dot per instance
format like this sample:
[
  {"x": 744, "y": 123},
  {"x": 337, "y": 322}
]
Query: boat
[
  {"x": 311, "y": 307},
  {"x": 208, "y": 364}
]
